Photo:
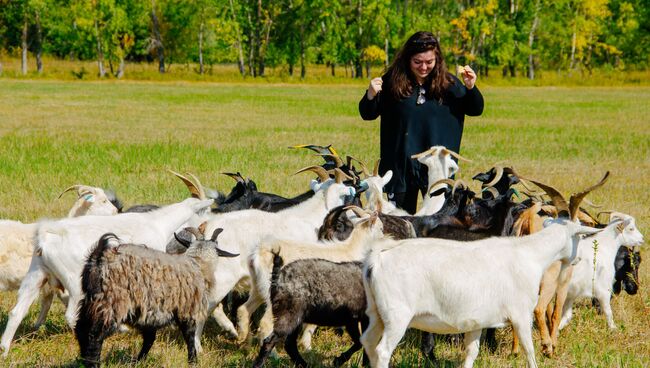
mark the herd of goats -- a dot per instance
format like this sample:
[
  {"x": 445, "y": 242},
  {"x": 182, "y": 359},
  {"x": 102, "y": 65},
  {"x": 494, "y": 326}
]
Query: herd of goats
[{"x": 463, "y": 263}]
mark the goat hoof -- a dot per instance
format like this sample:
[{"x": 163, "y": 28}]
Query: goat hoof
[{"x": 547, "y": 350}]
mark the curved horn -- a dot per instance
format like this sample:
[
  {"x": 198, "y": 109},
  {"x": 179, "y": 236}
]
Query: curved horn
[
  {"x": 329, "y": 157},
  {"x": 427, "y": 152},
  {"x": 375, "y": 170},
  {"x": 236, "y": 176},
  {"x": 454, "y": 154},
  {"x": 447, "y": 181},
  {"x": 340, "y": 176},
  {"x": 558, "y": 200},
  {"x": 194, "y": 190},
  {"x": 215, "y": 234},
  {"x": 183, "y": 242},
  {"x": 199, "y": 186},
  {"x": 364, "y": 169},
  {"x": 574, "y": 201},
  {"x": 497, "y": 176},
  {"x": 357, "y": 210},
  {"x": 322, "y": 174},
  {"x": 75, "y": 187}
]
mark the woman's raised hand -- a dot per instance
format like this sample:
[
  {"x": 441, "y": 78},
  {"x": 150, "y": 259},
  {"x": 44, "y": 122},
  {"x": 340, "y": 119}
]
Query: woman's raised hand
[
  {"x": 374, "y": 87},
  {"x": 469, "y": 77}
]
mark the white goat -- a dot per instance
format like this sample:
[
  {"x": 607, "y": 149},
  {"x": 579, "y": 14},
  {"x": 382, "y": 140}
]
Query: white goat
[
  {"x": 440, "y": 165},
  {"x": 61, "y": 246},
  {"x": 244, "y": 230},
  {"x": 445, "y": 286},
  {"x": 594, "y": 278},
  {"x": 438, "y": 160},
  {"x": 260, "y": 264},
  {"x": 17, "y": 245}
]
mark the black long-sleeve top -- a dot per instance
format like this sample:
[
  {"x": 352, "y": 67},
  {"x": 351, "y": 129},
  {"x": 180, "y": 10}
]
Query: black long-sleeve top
[{"x": 407, "y": 128}]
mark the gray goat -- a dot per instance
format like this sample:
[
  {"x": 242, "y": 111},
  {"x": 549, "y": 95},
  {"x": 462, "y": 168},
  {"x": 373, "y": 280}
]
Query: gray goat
[
  {"x": 146, "y": 289},
  {"x": 319, "y": 292}
]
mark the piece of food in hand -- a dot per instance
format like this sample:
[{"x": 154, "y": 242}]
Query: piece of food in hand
[{"x": 460, "y": 69}]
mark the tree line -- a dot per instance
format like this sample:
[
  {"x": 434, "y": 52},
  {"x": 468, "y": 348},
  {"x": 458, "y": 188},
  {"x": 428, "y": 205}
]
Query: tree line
[{"x": 511, "y": 37}]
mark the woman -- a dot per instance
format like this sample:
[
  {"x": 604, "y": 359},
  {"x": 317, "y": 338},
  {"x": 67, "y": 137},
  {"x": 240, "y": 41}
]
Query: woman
[{"x": 421, "y": 105}]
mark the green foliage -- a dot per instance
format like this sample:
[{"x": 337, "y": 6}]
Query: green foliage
[{"x": 559, "y": 35}]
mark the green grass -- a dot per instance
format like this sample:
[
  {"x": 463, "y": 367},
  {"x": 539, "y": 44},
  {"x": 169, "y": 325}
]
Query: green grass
[{"x": 125, "y": 135}]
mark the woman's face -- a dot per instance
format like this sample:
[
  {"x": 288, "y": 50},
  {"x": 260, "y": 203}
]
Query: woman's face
[{"x": 422, "y": 64}]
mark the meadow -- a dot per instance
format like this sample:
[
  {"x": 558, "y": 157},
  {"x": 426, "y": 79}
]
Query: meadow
[{"x": 124, "y": 135}]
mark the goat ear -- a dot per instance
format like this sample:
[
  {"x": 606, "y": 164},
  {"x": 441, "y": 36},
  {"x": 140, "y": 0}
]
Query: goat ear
[
  {"x": 223, "y": 253},
  {"x": 387, "y": 176},
  {"x": 215, "y": 234},
  {"x": 183, "y": 242},
  {"x": 202, "y": 227}
]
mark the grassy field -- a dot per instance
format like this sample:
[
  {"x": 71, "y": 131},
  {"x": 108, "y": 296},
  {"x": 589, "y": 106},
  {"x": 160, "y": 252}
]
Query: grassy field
[{"x": 125, "y": 135}]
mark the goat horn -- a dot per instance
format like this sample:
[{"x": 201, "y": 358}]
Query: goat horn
[
  {"x": 340, "y": 176},
  {"x": 183, "y": 242},
  {"x": 454, "y": 154},
  {"x": 375, "y": 170},
  {"x": 574, "y": 201},
  {"x": 337, "y": 160},
  {"x": 558, "y": 200},
  {"x": 497, "y": 176},
  {"x": 236, "y": 176},
  {"x": 194, "y": 190},
  {"x": 75, "y": 187},
  {"x": 357, "y": 210},
  {"x": 427, "y": 152},
  {"x": 215, "y": 234},
  {"x": 447, "y": 181},
  {"x": 322, "y": 174},
  {"x": 364, "y": 169},
  {"x": 199, "y": 186}
]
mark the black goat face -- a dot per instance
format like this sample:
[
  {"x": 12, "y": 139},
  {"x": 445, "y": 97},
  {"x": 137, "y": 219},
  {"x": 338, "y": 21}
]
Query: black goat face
[
  {"x": 336, "y": 225},
  {"x": 627, "y": 271}
]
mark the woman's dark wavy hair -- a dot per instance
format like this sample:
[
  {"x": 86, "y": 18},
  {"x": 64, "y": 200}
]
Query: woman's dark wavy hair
[{"x": 399, "y": 73}]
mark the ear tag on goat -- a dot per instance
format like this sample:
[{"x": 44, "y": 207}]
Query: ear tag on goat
[
  {"x": 516, "y": 193},
  {"x": 89, "y": 198},
  {"x": 352, "y": 191},
  {"x": 363, "y": 185}
]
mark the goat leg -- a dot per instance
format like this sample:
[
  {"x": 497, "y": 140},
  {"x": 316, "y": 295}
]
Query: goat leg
[{"x": 148, "y": 337}]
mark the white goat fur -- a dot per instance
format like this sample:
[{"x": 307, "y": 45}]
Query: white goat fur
[
  {"x": 17, "y": 239},
  {"x": 621, "y": 230},
  {"x": 260, "y": 265},
  {"x": 61, "y": 247},
  {"x": 244, "y": 230},
  {"x": 445, "y": 286}
]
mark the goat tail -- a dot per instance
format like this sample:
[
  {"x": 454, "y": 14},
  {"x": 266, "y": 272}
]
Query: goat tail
[
  {"x": 275, "y": 274},
  {"x": 91, "y": 275}
]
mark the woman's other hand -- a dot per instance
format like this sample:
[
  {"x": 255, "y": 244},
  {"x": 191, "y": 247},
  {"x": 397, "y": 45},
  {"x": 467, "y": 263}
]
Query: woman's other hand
[
  {"x": 469, "y": 76},
  {"x": 375, "y": 87}
]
